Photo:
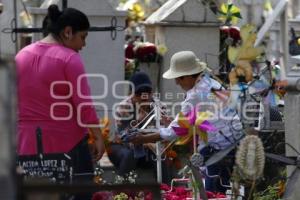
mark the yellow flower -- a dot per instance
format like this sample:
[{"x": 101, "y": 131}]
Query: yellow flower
[
  {"x": 268, "y": 5},
  {"x": 26, "y": 19},
  {"x": 229, "y": 13},
  {"x": 136, "y": 12},
  {"x": 162, "y": 49}
]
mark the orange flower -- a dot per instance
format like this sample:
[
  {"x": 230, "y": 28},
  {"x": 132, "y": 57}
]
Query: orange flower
[
  {"x": 97, "y": 179},
  {"x": 105, "y": 131},
  {"x": 171, "y": 154},
  {"x": 281, "y": 188}
]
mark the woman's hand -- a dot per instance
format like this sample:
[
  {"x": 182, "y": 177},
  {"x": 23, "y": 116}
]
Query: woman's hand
[
  {"x": 99, "y": 150},
  {"x": 138, "y": 139},
  {"x": 166, "y": 120},
  {"x": 97, "y": 147}
]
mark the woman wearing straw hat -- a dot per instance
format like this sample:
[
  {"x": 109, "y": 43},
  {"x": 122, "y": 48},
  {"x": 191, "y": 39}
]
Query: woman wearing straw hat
[{"x": 205, "y": 94}]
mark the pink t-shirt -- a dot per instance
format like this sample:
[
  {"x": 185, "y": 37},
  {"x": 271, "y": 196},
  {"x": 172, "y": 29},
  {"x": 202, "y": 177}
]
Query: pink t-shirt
[{"x": 52, "y": 95}]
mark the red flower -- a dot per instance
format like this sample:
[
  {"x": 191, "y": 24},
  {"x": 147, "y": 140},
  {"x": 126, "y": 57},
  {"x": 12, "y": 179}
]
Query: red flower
[
  {"x": 212, "y": 195},
  {"x": 129, "y": 53},
  {"x": 171, "y": 196},
  {"x": 180, "y": 191},
  {"x": 102, "y": 196},
  {"x": 146, "y": 52},
  {"x": 149, "y": 196},
  {"x": 232, "y": 31},
  {"x": 220, "y": 195},
  {"x": 164, "y": 187}
]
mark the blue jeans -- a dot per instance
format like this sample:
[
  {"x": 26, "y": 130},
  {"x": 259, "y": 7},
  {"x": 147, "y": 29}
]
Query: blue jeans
[{"x": 123, "y": 159}]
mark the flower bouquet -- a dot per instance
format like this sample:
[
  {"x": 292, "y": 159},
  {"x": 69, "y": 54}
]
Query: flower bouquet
[{"x": 182, "y": 193}]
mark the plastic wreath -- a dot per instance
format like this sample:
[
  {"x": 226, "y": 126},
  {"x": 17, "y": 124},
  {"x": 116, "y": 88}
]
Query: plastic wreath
[
  {"x": 193, "y": 121},
  {"x": 250, "y": 158},
  {"x": 229, "y": 14}
]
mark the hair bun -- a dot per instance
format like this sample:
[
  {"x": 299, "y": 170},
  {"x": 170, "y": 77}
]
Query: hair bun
[{"x": 54, "y": 13}]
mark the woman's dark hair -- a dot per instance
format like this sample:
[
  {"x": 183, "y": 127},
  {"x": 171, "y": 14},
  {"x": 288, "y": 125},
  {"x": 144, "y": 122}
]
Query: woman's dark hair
[
  {"x": 45, "y": 24},
  {"x": 57, "y": 20}
]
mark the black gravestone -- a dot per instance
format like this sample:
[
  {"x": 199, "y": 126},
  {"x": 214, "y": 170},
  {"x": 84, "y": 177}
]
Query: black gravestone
[{"x": 55, "y": 167}]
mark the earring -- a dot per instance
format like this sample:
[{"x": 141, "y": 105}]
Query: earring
[{"x": 68, "y": 36}]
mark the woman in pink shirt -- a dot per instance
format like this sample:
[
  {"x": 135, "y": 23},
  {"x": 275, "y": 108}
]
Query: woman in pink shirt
[{"x": 53, "y": 92}]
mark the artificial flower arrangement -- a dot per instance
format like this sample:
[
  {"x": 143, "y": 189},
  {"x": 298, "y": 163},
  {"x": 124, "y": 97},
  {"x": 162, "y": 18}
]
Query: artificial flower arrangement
[
  {"x": 124, "y": 195},
  {"x": 182, "y": 193},
  {"x": 144, "y": 51},
  {"x": 104, "y": 124},
  {"x": 172, "y": 159},
  {"x": 229, "y": 15},
  {"x": 138, "y": 52},
  {"x": 168, "y": 193}
]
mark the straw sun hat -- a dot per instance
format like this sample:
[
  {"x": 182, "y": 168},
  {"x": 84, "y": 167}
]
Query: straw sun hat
[{"x": 185, "y": 63}]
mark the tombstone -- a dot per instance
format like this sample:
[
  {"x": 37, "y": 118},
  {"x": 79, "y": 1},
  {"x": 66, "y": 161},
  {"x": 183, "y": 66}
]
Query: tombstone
[
  {"x": 183, "y": 25},
  {"x": 103, "y": 57}
]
